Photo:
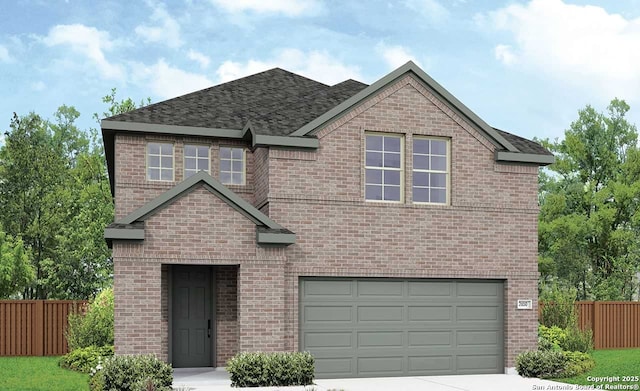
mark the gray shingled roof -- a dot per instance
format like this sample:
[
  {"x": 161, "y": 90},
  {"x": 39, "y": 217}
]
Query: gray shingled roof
[{"x": 277, "y": 103}]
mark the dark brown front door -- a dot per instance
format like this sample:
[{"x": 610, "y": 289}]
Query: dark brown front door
[{"x": 192, "y": 322}]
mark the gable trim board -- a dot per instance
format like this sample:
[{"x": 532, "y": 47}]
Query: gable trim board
[{"x": 268, "y": 232}]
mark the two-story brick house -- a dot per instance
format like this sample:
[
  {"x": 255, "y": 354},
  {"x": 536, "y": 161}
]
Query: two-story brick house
[{"x": 385, "y": 228}]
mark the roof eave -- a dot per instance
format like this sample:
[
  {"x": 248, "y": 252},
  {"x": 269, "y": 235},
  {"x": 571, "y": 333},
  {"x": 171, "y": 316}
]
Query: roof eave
[{"x": 527, "y": 158}]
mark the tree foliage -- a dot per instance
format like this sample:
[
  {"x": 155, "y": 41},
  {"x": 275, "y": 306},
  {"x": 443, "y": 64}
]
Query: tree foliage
[
  {"x": 589, "y": 228},
  {"x": 15, "y": 269}
]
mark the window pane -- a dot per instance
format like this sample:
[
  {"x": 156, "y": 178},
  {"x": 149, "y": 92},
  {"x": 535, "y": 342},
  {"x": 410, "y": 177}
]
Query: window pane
[
  {"x": 225, "y": 165},
  {"x": 188, "y": 173},
  {"x": 166, "y": 175},
  {"x": 236, "y": 178},
  {"x": 421, "y": 146},
  {"x": 154, "y": 148},
  {"x": 236, "y": 166},
  {"x": 392, "y": 178},
  {"x": 166, "y": 149},
  {"x": 438, "y": 196},
  {"x": 154, "y": 174},
  {"x": 374, "y": 176},
  {"x": 167, "y": 162},
  {"x": 203, "y": 151},
  {"x": 225, "y": 153},
  {"x": 236, "y": 153},
  {"x": 392, "y": 160},
  {"x": 438, "y": 180},
  {"x": 420, "y": 162},
  {"x": 392, "y": 193},
  {"x": 190, "y": 164},
  {"x": 154, "y": 161},
  {"x": 438, "y": 147},
  {"x": 374, "y": 159},
  {"x": 392, "y": 144},
  {"x": 439, "y": 163},
  {"x": 203, "y": 164},
  {"x": 421, "y": 179},
  {"x": 420, "y": 194},
  {"x": 374, "y": 143},
  {"x": 225, "y": 177},
  {"x": 373, "y": 192},
  {"x": 189, "y": 150}
]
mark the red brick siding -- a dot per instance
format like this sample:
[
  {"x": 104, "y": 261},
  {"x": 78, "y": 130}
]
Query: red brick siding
[{"x": 226, "y": 313}]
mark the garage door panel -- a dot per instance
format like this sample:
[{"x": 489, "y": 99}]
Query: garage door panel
[
  {"x": 477, "y": 363},
  {"x": 380, "y": 289},
  {"x": 334, "y": 366},
  {"x": 468, "y": 338},
  {"x": 324, "y": 340},
  {"x": 430, "y": 338},
  {"x": 370, "y": 313},
  {"x": 476, "y": 291},
  {"x": 430, "y": 313},
  {"x": 426, "y": 365},
  {"x": 380, "y": 366},
  {"x": 329, "y": 313},
  {"x": 422, "y": 289},
  {"x": 389, "y": 339},
  {"x": 477, "y": 313},
  {"x": 328, "y": 289}
]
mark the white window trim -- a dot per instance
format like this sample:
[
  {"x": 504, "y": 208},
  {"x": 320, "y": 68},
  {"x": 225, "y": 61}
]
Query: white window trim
[
  {"x": 447, "y": 172},
  {"x": 173, "y": 162},
  {"x": 401, "y": 136},
  {"x": 244, "y": 165},
  {"x": 184, "y": 159}
]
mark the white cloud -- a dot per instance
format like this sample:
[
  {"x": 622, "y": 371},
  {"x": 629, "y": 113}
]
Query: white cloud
[
  {"x": 166, "y": 29},
  {"x": 395, "y": 55},
  {"x": 200, "y": 58},
  {"x": 315, "y": 65},
  {"x": 285, "y": 7},
  {"x": 89, "y": 42},
  {"x": 505, "y": 55},
  {"x": 583, "y": 45},
  {"x": 435, "y": 12},
  {"x": 166, "y": 81},
  {"x": 38, "y": 86},
  {"x": 4, "y": 54}
]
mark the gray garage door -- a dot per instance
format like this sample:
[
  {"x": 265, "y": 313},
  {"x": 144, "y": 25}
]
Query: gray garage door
[{"x": 397, "y": 327}]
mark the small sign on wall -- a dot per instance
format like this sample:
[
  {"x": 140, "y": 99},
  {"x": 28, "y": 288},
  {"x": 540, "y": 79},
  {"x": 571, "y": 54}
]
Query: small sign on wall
[{"x": 525, "y": 304}]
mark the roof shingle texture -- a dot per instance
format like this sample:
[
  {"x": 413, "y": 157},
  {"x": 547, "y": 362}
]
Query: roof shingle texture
[{"x": 277, "y": 103}]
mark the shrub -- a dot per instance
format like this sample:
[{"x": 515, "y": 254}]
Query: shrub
[
  {"x": 577, "y": 340},
  {"x": 95, "y": 328},
  {"x": 132, "y": 373},
  {"x": 540, "y": 363},
  {"x": 551, "y": 338},
  {"x": 83, "y": 359},
  {"x": 558, "y": 308},
  {"x": 271, "y": 369},
  {"x": 577, "y": 363}
]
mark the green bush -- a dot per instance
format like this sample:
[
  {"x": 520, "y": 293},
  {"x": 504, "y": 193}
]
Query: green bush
[
  {"x": 577, "y": 340},
  {"x": 95, "y": 328},
  {"x": 558, "y": 307},
  {"x": 551, "y": 338},
  {"x": 83, "y": 359},
  {"x": 540, "y": 363},
  {"x": 577, "y": 363},
  {"x": 132, "y": 373},
  {"x": 271, "y": 369}
]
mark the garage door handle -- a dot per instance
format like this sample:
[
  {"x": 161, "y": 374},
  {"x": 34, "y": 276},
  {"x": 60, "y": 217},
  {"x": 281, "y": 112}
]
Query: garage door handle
[{"x": 209, "y": 328}]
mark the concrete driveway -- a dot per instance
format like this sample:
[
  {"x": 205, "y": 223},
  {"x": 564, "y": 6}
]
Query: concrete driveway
[{"x": 209, "y": 379}]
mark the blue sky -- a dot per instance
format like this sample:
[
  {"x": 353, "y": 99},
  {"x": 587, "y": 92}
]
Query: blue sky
[{"x": 523, "y": 66}]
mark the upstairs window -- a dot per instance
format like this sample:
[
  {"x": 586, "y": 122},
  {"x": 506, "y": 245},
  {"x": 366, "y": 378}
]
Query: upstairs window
[
  {"x": 430, "y": 170},
  {"x": 160, "y": 162},
  {"x": 232, "y": 166},
  {"x": 383, "y": 167},
  {"x": 196, "y": 158}
]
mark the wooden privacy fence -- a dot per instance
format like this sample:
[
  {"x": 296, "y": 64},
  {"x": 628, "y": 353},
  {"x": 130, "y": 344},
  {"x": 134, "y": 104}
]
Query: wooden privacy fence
[
  {"x": 35, "y": 327},
  {"x": 615, "y": 324}
]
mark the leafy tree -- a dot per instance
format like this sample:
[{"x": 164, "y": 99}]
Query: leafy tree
[
  {"x": 15, "y": 270},
  {"x": 590, "y": 206}
]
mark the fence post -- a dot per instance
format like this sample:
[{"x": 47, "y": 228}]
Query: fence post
[
  {"x": 597, "y": 342},
  {"x": 39, "y": 329}
]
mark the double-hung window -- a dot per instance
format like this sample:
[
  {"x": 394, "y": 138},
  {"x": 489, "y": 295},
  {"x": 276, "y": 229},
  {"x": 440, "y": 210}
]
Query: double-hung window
[
  {"x": 430, "y": 170},
  {"x": 160, "y": 161},
  {"x": 383, "y": 167},
  {"x": 232, "y": 166},
  {"x": 196, "y": 158}
]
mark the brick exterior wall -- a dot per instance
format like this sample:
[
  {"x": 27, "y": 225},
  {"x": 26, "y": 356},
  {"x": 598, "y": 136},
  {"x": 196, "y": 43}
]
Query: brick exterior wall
[{"x": 489, "y": 230}]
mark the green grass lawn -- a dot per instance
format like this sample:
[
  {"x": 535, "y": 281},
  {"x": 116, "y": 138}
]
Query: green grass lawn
[
  {"x": 39, "y": 374},
  {"x": 611, "y": 363}
]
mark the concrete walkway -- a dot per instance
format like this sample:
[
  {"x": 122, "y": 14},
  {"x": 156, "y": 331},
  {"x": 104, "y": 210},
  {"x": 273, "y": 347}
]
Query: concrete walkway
[{"x": 210, "y": 379}]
